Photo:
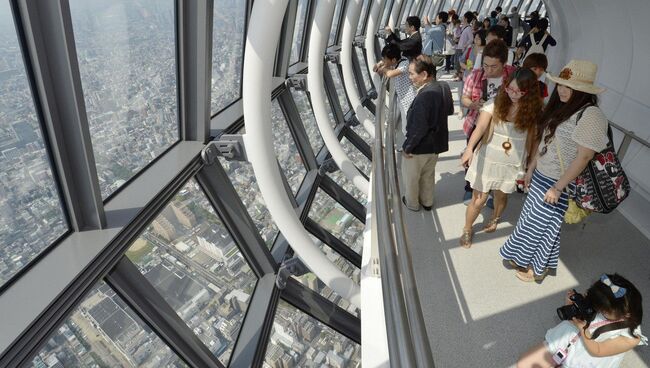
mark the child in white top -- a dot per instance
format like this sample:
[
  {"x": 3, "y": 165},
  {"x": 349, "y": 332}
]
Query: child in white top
[{"x": 600, "y": 343}]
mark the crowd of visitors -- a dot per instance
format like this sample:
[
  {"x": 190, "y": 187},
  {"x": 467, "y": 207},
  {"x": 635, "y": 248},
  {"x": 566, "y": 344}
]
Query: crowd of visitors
[{"x": 518, "y": 139}]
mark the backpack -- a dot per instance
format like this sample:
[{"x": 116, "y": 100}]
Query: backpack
[{"x": 536, "y": 48}]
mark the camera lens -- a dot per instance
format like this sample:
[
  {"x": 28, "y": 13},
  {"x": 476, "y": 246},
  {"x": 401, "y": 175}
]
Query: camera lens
[{"x": 567, "y": 312}]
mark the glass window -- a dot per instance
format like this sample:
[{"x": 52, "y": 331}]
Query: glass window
[
  {"x": 349, "y": 187},
  {"x": 364, "y": 68},
  {"x": 361, "y": 132},
  {"x": 330, "y": 112},
  {"x": 534, "y": 5},
  {"x": 286, "y": 149},
  {"x": 407, "y": 11},
  {"x": 298, "y": 30},
  {"x": 31, "y": 213},
  {"x": 309, "y": 121},
  {"x": 386, "y": 14},
  {"x": 243, "y": 180},
  {"x": 104, "y": 332},
  {"x": 446, "y": 5},
  {"x": 228, "y": 29},
  {"x": 311, "y": 281},
  {"x": 339, "y": 86},
  {"x": 298, "y": 340},
  {"x": 487, "y": 8},
  {"x": 127, "y": 62},
  {"x": 359, "y": 159},
  {"x": 189, "y": 257},
  {"x": 333, "y": 217},
  {"x": 335, "y": 22},
  {"x": 364, "y": 16}
]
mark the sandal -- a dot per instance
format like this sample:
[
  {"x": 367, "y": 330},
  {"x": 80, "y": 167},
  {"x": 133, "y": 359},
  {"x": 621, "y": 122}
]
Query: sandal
[
  {"x": 466, "y": 239},
  {"x": 526, "y": 277},
  {"x": 511, "y": 265},
  {"x": 491, "y": 226}
]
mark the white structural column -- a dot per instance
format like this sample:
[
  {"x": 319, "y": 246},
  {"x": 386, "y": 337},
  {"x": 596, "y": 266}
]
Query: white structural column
[
  {"x": 349, "y": 29},
  {"x": 371, "y": 29},
  {"x": 317, "y": 44},
  {"x": 261, "y": 44}
]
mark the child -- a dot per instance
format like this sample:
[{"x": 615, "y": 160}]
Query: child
[
  {"x": 601, "y": 343},
  {"x": 538, "y": 64}
]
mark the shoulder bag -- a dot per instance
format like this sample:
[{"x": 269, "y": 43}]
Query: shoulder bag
[{"x": 602, "y": 185}]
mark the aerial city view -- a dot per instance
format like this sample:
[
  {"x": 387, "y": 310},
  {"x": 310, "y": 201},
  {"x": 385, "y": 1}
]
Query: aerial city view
[{"x": 127, "y": 62}]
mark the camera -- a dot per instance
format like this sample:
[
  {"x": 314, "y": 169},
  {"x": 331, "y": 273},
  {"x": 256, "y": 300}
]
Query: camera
[{"x": 580, "y": 309}]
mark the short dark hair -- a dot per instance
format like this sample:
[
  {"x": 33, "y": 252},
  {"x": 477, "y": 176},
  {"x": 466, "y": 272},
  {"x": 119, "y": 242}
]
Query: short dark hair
[
  {"x": 498, "y": 31},
  {"x": 498, "y": 9},
  {"x": 454, "y": 17},
  {"x": 535, "y": 60},
  {"x": 469, "y": 16},
  {"x": 391, "y": 51},
  {"x": 413, "y": 21},
  {"x": 424, "y": 63},
  {"x": 542, "y": 24},
  {"x": 444, "y": 16},
  {"x": 493, "y": 14},
  {"x": 496, "y": 49}
]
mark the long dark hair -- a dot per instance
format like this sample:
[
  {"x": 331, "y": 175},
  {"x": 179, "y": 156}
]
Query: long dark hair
[
  {"x": 628, "y": 307},
  {"x": 557, "y": 112}
]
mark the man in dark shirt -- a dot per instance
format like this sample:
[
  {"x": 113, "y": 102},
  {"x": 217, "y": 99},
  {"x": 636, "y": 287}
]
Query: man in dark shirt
[
  {"x": 411, "y": 47},
  {"x": 427, "y": 134}
]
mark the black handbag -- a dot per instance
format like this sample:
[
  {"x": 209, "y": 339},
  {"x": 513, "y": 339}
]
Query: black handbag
[{"x": 602, "y": 185}]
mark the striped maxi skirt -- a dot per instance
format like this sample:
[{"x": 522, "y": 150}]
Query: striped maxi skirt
[{"x": 535, "y": 242}]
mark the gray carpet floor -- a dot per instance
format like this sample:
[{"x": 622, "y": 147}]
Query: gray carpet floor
[{"x": 478, "y": 313}]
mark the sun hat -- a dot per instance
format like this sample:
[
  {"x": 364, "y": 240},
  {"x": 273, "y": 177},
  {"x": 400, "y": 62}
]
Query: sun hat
[{"x": 579, "y": 75}]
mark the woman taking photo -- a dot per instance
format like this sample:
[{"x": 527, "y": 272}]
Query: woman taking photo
[
  {"x": 567, "y": 144},
  {"x": 506, "y": 130}
]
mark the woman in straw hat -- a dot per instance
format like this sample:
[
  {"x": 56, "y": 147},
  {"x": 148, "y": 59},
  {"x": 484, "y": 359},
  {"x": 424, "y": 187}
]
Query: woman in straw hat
[{"x": 572, "y": 129}]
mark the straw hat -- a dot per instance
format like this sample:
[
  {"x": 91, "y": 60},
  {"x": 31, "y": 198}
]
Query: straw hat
[{"x": 579, "y": 75}]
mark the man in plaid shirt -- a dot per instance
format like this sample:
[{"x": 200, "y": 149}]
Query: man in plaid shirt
[{"x": 482, "y": 86}]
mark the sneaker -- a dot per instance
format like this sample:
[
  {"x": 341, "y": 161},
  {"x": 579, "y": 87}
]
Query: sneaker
[
  {"x": 427, "y": 208},
  {"x": 490, "y": 202},
  {"x": 467, "y": 198}
]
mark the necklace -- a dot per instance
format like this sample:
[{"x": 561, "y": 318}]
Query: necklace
[{"x": 507, "y": 146}]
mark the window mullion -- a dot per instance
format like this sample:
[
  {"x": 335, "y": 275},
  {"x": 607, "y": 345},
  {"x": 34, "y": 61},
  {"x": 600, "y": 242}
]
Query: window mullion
[
  {"x": 195, "y": 68},
  {"x": 143, "y": 298},
  {"x": 47, "y": 28}
]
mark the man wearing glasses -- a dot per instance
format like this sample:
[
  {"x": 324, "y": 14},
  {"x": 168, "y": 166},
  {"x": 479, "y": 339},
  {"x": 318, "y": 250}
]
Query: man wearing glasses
[{"x": 481, "y": 86}]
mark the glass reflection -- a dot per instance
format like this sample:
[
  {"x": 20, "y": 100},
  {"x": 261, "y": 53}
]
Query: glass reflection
[
  {"x": 228, "y": 29},
  {"x": 189, "y": 257},
  {"x": 308, "y": 119},
  {"x": 104, "y": 332},
  {"x": 31, "y": 213},
  {"x": 298, "y": 340},
  {"x": 298, "y": 30},
  {"x": 286, "y": 149},
  {"x": 127, "y": 61},
  {"x": 333, "y": 217}
]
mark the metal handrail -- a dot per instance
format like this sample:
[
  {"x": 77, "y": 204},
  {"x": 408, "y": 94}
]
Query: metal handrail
[
  {"x": 628, "y": 136},
  {"x": 408, "y": 343}
]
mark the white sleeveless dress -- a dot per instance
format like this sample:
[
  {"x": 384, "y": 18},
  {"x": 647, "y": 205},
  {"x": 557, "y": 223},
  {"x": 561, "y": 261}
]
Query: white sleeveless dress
[
  {"x": 559, "y": 336},
  {"x": 494, "y": 168}
]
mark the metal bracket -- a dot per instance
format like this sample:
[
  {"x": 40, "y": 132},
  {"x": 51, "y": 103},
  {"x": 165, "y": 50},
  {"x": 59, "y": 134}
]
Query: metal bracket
[
  {"x": 351, "y": 119},
  {"x": 292, "y": 266},
  {"x": 229, "y": 146},
  {"x": 333, "y": 57},
  {"x": 359, "y": 41},
  {"x": 328, "y": 166},
  {"x": 297, "y": 81},
  {"x": 381, "y": 34},
  {"x": 372, "y": 94}
]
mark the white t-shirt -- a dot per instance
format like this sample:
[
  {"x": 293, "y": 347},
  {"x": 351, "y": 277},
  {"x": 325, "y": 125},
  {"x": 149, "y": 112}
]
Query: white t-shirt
[{"x": 493, "y": 85}]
